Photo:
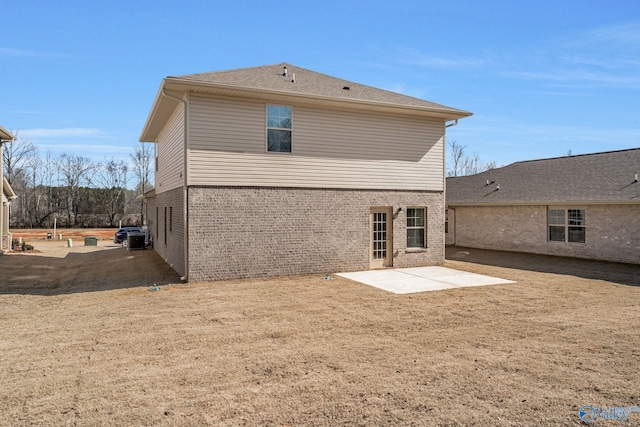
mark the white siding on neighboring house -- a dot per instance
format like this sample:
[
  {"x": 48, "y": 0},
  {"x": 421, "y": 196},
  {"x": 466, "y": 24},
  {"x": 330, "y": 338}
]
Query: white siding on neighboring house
[
  {"x": 171, "y": 153},
  {"x": 331, "y": 149}
]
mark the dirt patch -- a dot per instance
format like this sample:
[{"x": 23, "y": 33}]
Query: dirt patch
[
  {"x": 85, "y": 341},
  {"x": 67, "y": 233}
]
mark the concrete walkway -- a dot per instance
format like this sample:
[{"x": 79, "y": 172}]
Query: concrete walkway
[{"x": 421, "y": 279}]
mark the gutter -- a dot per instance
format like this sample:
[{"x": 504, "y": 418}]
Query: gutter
[
  {"x": 445, "y": 112},
  {"x": 548, "y": 203}
]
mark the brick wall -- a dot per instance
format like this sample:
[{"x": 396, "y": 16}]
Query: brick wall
[
  {"x": 169, "y": 244},
  {"x": 253, "y": 232},
  {"x": 612, "y": 231}
]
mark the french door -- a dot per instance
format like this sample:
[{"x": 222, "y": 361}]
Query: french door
[{"x": 381, "y": 237}]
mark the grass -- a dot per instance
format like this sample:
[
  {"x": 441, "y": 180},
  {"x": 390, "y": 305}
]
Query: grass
[{"x": 302, "y": 350}]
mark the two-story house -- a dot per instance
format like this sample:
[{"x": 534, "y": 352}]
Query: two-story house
[{"x": 278, "y": 170}]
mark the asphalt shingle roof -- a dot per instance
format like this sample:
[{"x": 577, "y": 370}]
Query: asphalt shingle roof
[
  {"x": 310, "y": 83},
  {"x": 599, "y": 177}
]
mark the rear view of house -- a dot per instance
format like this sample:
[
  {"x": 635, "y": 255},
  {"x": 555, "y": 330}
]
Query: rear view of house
[
  {"x": 279, "y": 170},
  {"x": 585, "y": 206}
]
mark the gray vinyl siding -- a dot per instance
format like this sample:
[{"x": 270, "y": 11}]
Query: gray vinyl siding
[
  {"x": 226, "y": 125},
  {"x": 171, "y": 153},
  {"x": 331, "y": 149}
]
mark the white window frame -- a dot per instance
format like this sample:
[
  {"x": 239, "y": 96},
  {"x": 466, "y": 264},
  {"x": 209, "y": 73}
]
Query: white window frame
[
  {"x": 446, "y": 221},
  {"x": 567, "y": 224},
  {"x": 268, "y": 128},
  {"x": 422, "y": 227}
]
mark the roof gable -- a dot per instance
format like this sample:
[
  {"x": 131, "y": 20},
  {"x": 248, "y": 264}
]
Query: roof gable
[
  {"x": 609, "y": 177},
  {"x": 272, "y": 84},
  {"x": 297, "y": 80}
]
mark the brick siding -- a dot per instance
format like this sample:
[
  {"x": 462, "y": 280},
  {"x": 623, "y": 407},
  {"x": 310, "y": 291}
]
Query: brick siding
[
  {"x": 173, "y": 250},
  {"x": 255, "y": 232},
  {"x": 612, "y": 231}
]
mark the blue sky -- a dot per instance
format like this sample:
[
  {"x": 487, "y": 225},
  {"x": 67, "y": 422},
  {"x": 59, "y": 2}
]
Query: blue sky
[{"x": 541, "y": 77}]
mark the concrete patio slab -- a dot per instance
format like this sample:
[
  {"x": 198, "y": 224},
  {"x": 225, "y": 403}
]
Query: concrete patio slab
[{"x": 421, "y": 279}]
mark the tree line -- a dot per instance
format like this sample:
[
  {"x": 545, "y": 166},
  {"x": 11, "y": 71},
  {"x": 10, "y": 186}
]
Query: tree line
[
  {"x": 462, "y": 164},
  {"x": 74, "y": 191}
]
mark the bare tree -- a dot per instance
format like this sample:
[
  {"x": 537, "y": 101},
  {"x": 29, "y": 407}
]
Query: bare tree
[
  {"x": 17, "y": 155},
  {"x": 458, "y": 159},
  {"x": 75, "y": 172},
  {"x": 143, "y": 160},
  {"x": 472, "y": 164},
  {"x": 463, "y": 164},
  {"x": 42, "y": 197},
  {"x": 20, "y": 164},
  {"x": 82, "y": 193},
  {"x": 112, "y": 178},
  {"x": 490, "y": 165}
]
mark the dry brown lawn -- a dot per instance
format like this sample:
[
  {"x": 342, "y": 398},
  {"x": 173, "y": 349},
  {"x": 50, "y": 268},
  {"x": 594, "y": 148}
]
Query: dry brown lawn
[{"x": 84, "y": 341}]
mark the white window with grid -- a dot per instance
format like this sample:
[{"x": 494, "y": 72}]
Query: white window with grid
[{"x": 567, "y": 225}]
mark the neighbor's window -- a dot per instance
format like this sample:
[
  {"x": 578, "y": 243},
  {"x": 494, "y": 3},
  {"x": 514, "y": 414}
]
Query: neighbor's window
[
  {"x": 278, "y": 129},
  {"x": 446, "y": 221},
  {"x": 567, "y": 225},
  {"x": 416, "y": 230}
]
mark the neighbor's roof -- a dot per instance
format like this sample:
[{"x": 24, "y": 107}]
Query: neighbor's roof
[
  {"x": 5, "y": 135},
  {"x": 269, "y": 83},
  {"x": 609, "y": 177}
]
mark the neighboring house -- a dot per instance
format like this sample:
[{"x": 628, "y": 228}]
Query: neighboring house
[
  {"x": 278, "y": 170},
  {"x": 585, "y": 206},
  {"x": 7, "y": 196}
]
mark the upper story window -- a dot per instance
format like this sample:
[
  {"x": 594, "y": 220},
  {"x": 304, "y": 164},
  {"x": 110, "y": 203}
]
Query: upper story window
[
  {"x": 416, "y": 229},
  {"x": 567, "y": 225},
  {"x": 278, "y": 129}
]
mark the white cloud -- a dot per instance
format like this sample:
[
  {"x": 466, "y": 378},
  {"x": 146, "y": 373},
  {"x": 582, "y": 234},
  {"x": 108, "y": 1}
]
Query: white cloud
[
  {"x": 415, "y": 57},
  {"x": 61, "y": 133},
  {"x": 627, "y": 34},
  {"x": 604, "y": 57},
  {"x": 579, "y": 76}
]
